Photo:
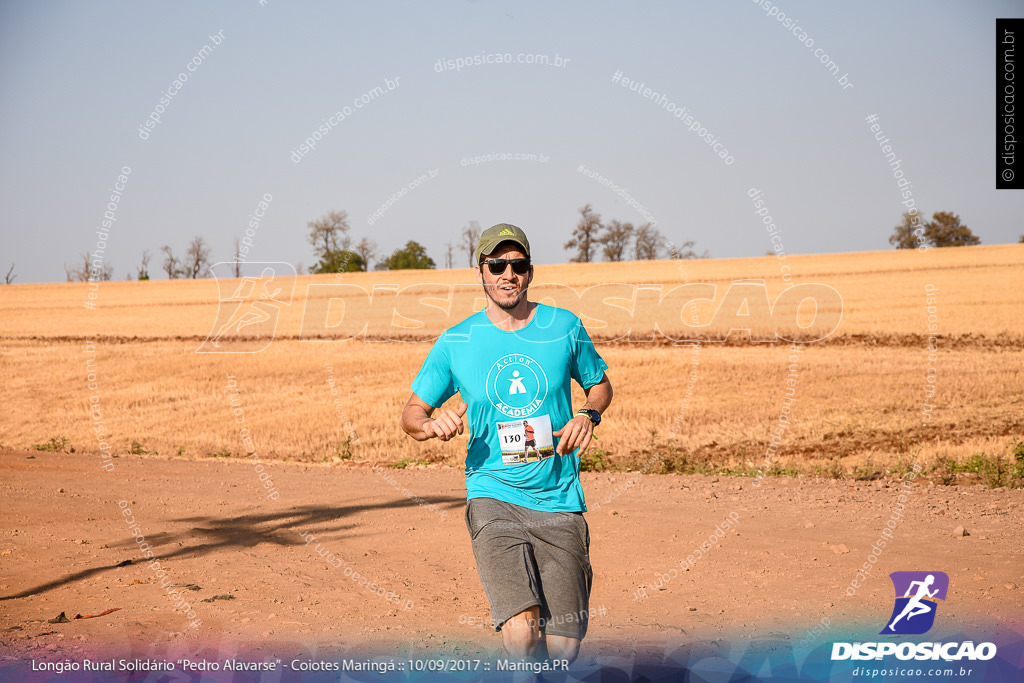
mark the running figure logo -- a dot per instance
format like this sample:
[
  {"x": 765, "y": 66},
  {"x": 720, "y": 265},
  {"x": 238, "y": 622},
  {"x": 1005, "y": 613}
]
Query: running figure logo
[
  {"x": 249, "y": 307},
  {"x": 916, "y": 601}
]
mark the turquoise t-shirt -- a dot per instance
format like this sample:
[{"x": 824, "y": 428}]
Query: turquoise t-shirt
[{"x": 517, "y": 387}]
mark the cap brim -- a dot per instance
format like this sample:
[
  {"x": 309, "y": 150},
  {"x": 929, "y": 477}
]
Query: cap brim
[{"x": 489, "y": 247}]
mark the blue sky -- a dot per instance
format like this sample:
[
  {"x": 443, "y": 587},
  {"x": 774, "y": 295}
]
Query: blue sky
[{"x": 77, "y": 80}]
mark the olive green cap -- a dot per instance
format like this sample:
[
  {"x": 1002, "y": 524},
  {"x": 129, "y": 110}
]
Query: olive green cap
[{"x": 495, "y": 235}]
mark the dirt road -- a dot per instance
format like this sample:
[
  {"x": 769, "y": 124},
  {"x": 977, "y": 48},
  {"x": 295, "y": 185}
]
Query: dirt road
[{"x": 276, "y": 566}]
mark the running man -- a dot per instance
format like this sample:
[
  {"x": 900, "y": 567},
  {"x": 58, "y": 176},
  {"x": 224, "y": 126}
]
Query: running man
[
  {"x": 515, "y": 360},
  {"x": 531, "y": 441},
  {"x": 915, "y": 605}
]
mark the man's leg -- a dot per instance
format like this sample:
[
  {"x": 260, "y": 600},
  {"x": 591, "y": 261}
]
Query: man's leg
[
  {"x": 562, "y": 647},
  {"x": 508, "y": 573},
  {"x": 521, "y": 633},
  {"x": 513, "y": 546},
  {"x": 561, "y": 548}
]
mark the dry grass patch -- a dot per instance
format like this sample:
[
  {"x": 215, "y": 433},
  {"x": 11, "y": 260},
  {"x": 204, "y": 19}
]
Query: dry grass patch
[{"x": 858, "y": 395}]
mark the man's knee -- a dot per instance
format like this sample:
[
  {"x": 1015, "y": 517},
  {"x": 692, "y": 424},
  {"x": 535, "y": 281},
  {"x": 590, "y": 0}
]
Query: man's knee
[
  {"x": 521, "y": 633},
  {"x": 562, "y": 647}
]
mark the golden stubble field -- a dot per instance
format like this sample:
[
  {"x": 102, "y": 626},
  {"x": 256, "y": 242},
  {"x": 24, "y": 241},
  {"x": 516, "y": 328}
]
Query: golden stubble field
[{"x": 321, "y": 366}]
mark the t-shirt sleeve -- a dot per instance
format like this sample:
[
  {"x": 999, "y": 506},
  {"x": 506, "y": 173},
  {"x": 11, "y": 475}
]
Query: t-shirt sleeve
[
  {"x": 435, "y": 383},
  {"x": 587, "y": 365}
]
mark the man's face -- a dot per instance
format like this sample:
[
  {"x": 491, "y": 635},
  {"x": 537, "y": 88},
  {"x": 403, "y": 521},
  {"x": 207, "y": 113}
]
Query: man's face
[{"x": 506, "y": 289}]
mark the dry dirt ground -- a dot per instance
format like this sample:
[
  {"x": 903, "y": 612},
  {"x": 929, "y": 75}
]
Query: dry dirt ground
[{"x": 784, "y": 566}]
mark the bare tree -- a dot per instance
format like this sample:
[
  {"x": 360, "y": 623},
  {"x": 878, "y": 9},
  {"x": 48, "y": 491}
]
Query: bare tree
[
  {"x": 449, "y": 257},
  {"x": 172, "y": 266},
  {"x": 684, "y": 251},
  {"x": 586, "y": 236},
  {"x": 238, "y": 258},
  {"x": 648, "y": 243},
  {"x": 143, "y": 269},
  {"x": 9, "y": 278},
  {"x": 80, "y": 273},
  {"x": 367, "y": 249},
  {"x": 616, "y": 239},
  {"x": 329, "y": 234},
  {"x": 197, "y": 257},
  {"x": 89, "y": 271},
  {"x": 470, "y": 236}
]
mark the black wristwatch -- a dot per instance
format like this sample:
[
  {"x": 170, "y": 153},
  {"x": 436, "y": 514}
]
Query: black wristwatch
[{"x": 591, "y": 414}]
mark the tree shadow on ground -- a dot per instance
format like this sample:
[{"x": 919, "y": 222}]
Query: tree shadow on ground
[{"x": 282, "y": 528}]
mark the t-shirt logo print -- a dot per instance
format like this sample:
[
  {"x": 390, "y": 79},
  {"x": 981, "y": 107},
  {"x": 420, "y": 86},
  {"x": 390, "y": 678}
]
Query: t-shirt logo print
[{"x": 516, "y": 385}]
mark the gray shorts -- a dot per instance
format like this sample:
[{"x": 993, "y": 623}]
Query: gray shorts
[{"x": 527, "y": 557}]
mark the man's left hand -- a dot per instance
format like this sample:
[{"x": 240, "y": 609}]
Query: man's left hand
[{"x": 576, "y": 433}]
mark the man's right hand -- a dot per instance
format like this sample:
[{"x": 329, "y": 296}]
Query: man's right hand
[{"x": 446, "y": 425}]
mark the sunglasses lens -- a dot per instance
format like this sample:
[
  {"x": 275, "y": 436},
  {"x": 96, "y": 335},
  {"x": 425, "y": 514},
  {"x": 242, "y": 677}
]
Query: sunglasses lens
[{"x": 520, "y": 266}]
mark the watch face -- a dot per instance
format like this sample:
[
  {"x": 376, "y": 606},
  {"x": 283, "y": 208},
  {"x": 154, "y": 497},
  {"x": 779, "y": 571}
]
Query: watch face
[{"x": 594, "y": 416}]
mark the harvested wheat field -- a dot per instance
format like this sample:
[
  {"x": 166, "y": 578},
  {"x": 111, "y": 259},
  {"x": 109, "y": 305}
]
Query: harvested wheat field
[
  {"x": 253, "y": 443},
  {"x": 324, "y": 378}
]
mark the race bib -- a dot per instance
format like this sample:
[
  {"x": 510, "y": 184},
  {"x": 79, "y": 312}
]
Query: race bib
[{"x": 526, "y": 440}]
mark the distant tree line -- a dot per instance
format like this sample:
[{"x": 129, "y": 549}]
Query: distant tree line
[
  {"x": 945, "y": 229},
  {"x": 335, "y": 251},
  {"x": 86, "y": 270},
  {"x": 589, "y": 241},
  {"x": 619, "y": 240},
  {"x": 194, "y": 264}
]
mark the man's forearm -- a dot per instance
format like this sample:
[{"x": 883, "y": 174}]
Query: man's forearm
[
  {"x": 599, "y": 396},
  {"x": 413, "y": 418}
]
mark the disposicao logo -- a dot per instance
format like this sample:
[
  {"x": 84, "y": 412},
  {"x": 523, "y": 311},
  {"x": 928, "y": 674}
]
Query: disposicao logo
[
  {"x": 913, "y": 613},
  {"x": 916, "y": 595}
]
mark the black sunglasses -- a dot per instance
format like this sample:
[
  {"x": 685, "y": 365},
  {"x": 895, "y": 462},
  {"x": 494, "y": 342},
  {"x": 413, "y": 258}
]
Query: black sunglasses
[{"x": 520, "y": 266}]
